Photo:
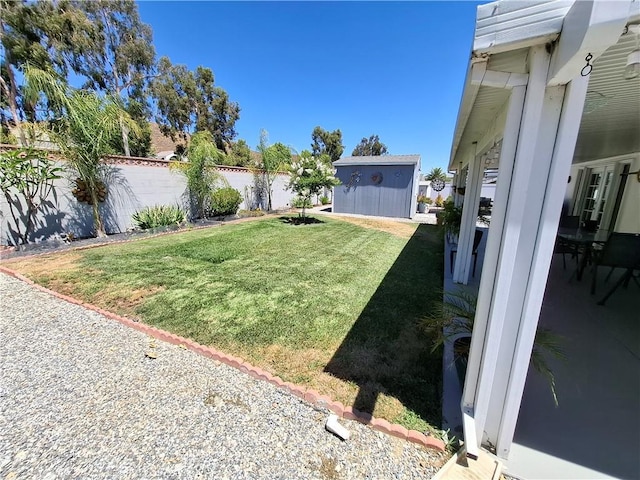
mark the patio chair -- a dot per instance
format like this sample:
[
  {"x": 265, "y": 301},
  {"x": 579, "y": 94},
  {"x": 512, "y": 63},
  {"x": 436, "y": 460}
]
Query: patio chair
[
  {"x": 590, "y": 225},
  {"x": 476, "y": 243},
  {"x": 564, "y": 247},
  {"x": 622, "y": 250},
  {"x": 570, "y": 221}
]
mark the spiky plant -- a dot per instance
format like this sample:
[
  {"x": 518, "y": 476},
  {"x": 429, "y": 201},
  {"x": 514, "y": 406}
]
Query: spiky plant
[{"x": 455, "y": 317}]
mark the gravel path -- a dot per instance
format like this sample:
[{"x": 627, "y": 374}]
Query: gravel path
[{"x": 79, "y": 398}]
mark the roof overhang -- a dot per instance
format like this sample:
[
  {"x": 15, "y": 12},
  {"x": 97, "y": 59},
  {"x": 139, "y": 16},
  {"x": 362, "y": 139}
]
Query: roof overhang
[
  {"x": 378, "y": 160},
  {"x": 504, "y": 32},
  {"x": 381, "y": 164}
]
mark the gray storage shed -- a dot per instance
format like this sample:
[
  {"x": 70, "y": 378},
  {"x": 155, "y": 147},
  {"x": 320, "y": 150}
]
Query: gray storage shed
[{"x": 385, "y": 186}]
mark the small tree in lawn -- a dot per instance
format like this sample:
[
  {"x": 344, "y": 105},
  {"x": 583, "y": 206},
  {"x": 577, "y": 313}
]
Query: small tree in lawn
[
  {"x": 309, "y": 175},
  {"x": 273, "y": 159}
]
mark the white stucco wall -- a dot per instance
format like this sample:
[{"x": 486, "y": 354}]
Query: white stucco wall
[{"x": 131, "y": 188}]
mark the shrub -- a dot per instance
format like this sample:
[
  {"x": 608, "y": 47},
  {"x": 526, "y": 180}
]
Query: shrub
[
  {"x": 159, "y": 216},
  {"x": 301, "y": 202},
  {"x": 439, "y": 201},
  {"x": 225, "y": 201},
  {"x": 324, "y": 200}
]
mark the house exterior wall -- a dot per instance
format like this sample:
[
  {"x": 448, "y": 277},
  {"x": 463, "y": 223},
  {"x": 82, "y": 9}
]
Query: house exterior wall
[
  {"x": 392, "y": 197},
  {"x": 131, "y": 188}
]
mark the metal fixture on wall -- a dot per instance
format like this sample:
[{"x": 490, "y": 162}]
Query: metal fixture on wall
[{"x": 637, "y": 174}]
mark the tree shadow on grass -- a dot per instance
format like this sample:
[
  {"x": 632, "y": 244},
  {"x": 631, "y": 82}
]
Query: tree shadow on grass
[
  {"x": 386, "y": 351},
  {"x": 300, "y": 220}
]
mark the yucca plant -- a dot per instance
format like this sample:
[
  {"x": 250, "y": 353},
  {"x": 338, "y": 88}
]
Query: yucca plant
[
  {"x": 159, "y": 216},
  {"x": 454, "y": 318}
]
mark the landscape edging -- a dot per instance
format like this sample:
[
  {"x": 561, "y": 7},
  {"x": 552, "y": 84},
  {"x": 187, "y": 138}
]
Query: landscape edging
[{"x": 307, "y": 395}]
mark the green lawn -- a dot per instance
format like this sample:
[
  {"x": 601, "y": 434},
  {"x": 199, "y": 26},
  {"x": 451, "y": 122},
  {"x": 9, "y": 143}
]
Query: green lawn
[{"x": 331, "y": 305}]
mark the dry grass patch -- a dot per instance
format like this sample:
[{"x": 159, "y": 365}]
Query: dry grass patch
[
  {"x": 399, "y": 229},
  {"x": 66, "y": 273},
  {"x": 39, "y": 266}
]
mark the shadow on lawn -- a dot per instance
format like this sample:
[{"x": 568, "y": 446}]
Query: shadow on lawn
[
  {"x": 300, "y": 220},
  {"x": 385, "y": 351}
]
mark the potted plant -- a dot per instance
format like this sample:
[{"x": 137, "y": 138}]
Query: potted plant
[
  {"x": 428, "y": 201},
  {"x": 452, "y": 322},
  {"x": 422, "y": 203},
  {"x": 450, "y": 218}
]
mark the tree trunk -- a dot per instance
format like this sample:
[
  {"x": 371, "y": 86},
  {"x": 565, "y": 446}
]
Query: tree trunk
[
  {"x": 97, "y": 218},
  {"x": 12, "y": 95},
  {"x": 11, "y": 91},
  {"x": 125, "y": 139}
]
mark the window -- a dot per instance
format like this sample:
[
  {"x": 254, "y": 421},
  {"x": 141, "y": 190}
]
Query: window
[{"x": 595, "y": 199}]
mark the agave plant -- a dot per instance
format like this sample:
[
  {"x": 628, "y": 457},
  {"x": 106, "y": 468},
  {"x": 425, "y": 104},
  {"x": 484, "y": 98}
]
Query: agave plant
[
  {"x": 159, "y": 216},
  {"x": 455, "y": 317}
]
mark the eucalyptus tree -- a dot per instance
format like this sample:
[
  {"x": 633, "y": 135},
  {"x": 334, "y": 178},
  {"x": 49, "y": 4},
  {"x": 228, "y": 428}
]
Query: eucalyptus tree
[
  {"x": 83, "y": 132},
  {"x": 371, "y": 146},
  {"x": 48, "y": 35},
  {"x": 324, "y": 142},
  {"x": 121, "y": 59},
  {"x": 190, "y": 101}
]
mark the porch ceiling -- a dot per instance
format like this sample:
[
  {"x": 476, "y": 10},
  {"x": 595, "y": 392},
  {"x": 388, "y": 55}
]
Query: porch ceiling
[{"x": 610, "y": 122}]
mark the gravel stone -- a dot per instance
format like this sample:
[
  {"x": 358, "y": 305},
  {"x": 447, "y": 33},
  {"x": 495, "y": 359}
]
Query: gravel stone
[{"x": 81, "y": 399}]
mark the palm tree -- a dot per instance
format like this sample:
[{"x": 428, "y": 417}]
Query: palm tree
[
  {"x": 435, "y": 173},
  {"x": 200, "y": 172},
  {"x": 84, "y": 131}
]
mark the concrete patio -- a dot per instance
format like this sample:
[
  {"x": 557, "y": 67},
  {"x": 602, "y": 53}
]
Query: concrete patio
[{"x": 593, "y": 433}]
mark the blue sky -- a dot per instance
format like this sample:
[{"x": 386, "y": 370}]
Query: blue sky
[{"x": 395, "y": 69}]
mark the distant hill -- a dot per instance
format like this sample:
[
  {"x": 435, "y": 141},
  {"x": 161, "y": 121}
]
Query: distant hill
[{"x": 160, "y": 142}]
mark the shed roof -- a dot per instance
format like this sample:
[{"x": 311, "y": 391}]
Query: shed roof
[{"x": 379, "y": 160}]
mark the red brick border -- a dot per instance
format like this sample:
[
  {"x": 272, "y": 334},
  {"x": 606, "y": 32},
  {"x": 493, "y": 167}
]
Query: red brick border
[{"x": 308, "y": 395}]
